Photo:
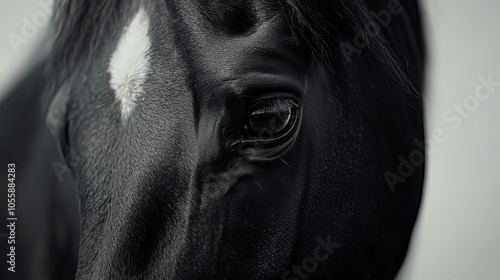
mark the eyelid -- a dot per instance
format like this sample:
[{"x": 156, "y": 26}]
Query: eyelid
[{"x": 274, "y": 105}]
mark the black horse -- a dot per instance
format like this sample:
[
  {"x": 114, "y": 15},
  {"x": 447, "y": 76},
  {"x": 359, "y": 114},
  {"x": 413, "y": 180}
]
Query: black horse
[{"x": 239, "y": 139}]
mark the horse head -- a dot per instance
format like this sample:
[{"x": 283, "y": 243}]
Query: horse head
[{"x": 239, "y": 139}]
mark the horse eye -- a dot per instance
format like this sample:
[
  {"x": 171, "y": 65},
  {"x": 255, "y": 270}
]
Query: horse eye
[{"x": 270, "y": 119}]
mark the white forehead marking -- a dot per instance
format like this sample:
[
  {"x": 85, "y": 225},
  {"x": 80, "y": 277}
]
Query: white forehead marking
[{"x": 129, "y": 64}]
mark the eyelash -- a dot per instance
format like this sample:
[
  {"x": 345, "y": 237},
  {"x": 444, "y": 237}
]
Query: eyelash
[{"x": 274, "y": 105}]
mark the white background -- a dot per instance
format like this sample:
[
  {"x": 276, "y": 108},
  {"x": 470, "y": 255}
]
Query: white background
[
  {"x": 457, "y": 236},
  {"x": 458, "y": 232}
]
